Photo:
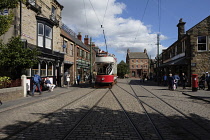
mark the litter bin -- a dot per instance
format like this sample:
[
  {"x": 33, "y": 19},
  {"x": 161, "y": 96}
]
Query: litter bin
[{"x": 194, "y": 82}]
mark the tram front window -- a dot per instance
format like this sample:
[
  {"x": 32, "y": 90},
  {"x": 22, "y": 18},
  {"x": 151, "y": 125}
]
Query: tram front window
[{"x": 102, "y": 70}]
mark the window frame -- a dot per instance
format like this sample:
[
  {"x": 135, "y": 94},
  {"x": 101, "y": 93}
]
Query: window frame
[{"x": 206, "y": 42}]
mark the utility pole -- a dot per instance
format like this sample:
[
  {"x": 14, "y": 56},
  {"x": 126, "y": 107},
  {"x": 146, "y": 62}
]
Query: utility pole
[
  {"x": 91, "y": 60},
  {"x": 158, "y": 73}
]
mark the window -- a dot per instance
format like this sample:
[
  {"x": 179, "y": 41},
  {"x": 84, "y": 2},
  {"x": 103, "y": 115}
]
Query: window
[
  {"x": 80, "y": 52},
  {"x": 35, "y": 69},
  {"x": 43, "y": 69},
  {"x": 53, "y": 13},
  {"x": 136, "y": 66},
  {"x": 50, "y": 69},
  {"x": 44, "y": 36},
  {"x": 65, "y": 46},
  {"x": 40, "y": 34},
  {"x": 183, "y": 46},
  {"x": 132, "y": 60},
  {"x": 71, "y": 49},
  {"x": 48, "y": 37},
  {"x": 202, "y": 43},
  {"x": 77, "y": 52}
]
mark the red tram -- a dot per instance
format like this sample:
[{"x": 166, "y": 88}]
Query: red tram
[{"x": 107, "y": 69}]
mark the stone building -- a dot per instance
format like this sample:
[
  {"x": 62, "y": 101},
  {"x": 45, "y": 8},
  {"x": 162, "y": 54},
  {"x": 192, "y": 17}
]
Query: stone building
[
  {"x": 37, "y": 23},
  {"x": 138, "y": 63},
  {"x": 190, "y": 54}
]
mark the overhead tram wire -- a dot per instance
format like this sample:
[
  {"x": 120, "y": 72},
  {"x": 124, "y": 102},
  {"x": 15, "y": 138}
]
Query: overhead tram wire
[
  {"x": 141, "y": 20},
  {"x": 100, "y": 22},
  {"x": 86, "y": 16}
]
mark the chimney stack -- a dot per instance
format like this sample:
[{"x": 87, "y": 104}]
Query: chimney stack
[
  {"x": 145, "y": 50},
  {"x": 86, "y": 40},
  {"x": 181, "y": 30},
  {"x": 79, "y": 36}
]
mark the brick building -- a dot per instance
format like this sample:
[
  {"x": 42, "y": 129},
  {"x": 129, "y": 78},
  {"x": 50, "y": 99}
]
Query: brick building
[
  {"x": 138, "y": 63},
  {"x": 190, "y": 53}
]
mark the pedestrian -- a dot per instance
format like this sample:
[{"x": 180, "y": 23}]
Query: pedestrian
[
  {"x": 202, "y": 80},
  {"x": 170, "y": 81},
  {"x": 36, "y": 81},
  {"x": 165, "y": 80},
  {"x": 183, "y": 79},
  {"x": 49, "y": 84},
  {"x": 68, "y": 79},
  {"x": 78, "y": 79},
  {"x": 176, "y": 78},
  {"x": 140, "y": 78},
  {"x": 208, "y": 80}
]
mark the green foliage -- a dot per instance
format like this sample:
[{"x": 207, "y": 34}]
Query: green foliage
[
  {"x": 8, "y": 4},
  {"x": 4, "y": 79},
  {"x": 5, "y": 23},
  {"x": 16, "y": 58},
  {"x": 122, "y": 69}
]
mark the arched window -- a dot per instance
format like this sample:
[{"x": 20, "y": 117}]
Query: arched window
[
  {"x": 50, "y": 69},
  {"x": 43, "y": 68}
]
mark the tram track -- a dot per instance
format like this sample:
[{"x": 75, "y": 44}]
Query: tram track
[
  {"x": 22, "y": 128},
  {"x": 162, "y": 114}
]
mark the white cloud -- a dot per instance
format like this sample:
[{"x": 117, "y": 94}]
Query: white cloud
[{"x": 121, "y": 33}]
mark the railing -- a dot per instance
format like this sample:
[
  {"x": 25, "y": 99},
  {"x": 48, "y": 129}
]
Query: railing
[{"x": 13, "y": 83}]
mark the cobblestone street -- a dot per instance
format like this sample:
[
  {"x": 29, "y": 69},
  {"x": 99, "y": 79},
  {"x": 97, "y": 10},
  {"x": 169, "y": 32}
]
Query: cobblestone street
[{"x": 130, "y": 110}]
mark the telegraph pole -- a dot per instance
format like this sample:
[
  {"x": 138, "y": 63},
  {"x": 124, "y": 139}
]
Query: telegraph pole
[
  {"x": 158, "y": 73},
  {"x": 91, "y": 60}
]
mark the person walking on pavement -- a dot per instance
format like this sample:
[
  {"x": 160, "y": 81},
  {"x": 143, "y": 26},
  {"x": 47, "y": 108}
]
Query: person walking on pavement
[
  {"x": 176, "y": 78},
  {"x": 170, "y": 82},
  {"x": 68, "y": 80},
  {"x": 36, "y": 81},
  {"x": 78, "y": 79},
  {"x": 165, "y": 80},
  {"x": 183, "y": 80},
  {"x": 208, "y": 80}
]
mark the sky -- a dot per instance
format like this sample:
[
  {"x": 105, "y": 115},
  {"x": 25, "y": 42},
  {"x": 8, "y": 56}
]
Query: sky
[{"x": 132, "y": 24}]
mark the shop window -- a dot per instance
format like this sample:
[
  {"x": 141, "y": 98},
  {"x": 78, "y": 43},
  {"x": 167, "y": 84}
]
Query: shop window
[
  {"x": 43, "y": 69},
  {"x": 202, "y": 43},
  {"x": 35, "y": 69},
  {"x": 50, "y": 69}
]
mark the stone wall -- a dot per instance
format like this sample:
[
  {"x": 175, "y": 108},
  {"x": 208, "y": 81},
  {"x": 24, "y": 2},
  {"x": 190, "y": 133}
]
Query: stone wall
[{"x": 8, "y": 94}]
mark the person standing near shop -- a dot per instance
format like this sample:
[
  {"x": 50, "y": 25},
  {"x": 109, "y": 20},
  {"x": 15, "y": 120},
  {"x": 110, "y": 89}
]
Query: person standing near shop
[
  {"x": 68, "y": 79},
  {"x": 183, "y": 80},
  {"x": 208, "y": 80},
  {"x": 36, "y": 81},
  {"x": 78, "y": 79}
]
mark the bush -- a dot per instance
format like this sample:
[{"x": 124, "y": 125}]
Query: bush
[{"x": 4, "y": 81}]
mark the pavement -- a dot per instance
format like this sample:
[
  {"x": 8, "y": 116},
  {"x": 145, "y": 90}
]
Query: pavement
[
  {"x": 199, "y": 94},
  {"x": 45, "y": 95}
]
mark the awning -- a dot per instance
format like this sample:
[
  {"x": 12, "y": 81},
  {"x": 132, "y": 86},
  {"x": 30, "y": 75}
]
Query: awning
[{"x": 181, "y": 61}]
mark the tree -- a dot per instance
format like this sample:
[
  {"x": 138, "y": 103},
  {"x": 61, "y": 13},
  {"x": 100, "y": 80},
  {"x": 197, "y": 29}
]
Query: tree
[
  {"x": 122, "y": 69},
  {"x": 14, "y": 57}
]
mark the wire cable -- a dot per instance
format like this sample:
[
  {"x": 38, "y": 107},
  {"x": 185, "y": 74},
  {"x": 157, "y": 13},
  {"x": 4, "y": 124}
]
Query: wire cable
[
  {"x": 95, "y": 12},
  {"x": 141, "y": 20},
  {"x": 86, "y": 17},
  {"x": 105, "y": 12}
]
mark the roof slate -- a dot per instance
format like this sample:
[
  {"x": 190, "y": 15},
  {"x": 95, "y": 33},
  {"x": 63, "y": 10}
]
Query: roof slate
[{"x": 137, "y": 55}]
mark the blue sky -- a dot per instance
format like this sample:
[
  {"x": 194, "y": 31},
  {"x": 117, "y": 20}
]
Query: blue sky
[{"x": 128, "y": 25}]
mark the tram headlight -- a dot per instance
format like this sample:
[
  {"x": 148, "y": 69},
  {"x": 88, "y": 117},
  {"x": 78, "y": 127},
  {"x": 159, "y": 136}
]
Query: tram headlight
[{"x": 102, "y": 79}]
